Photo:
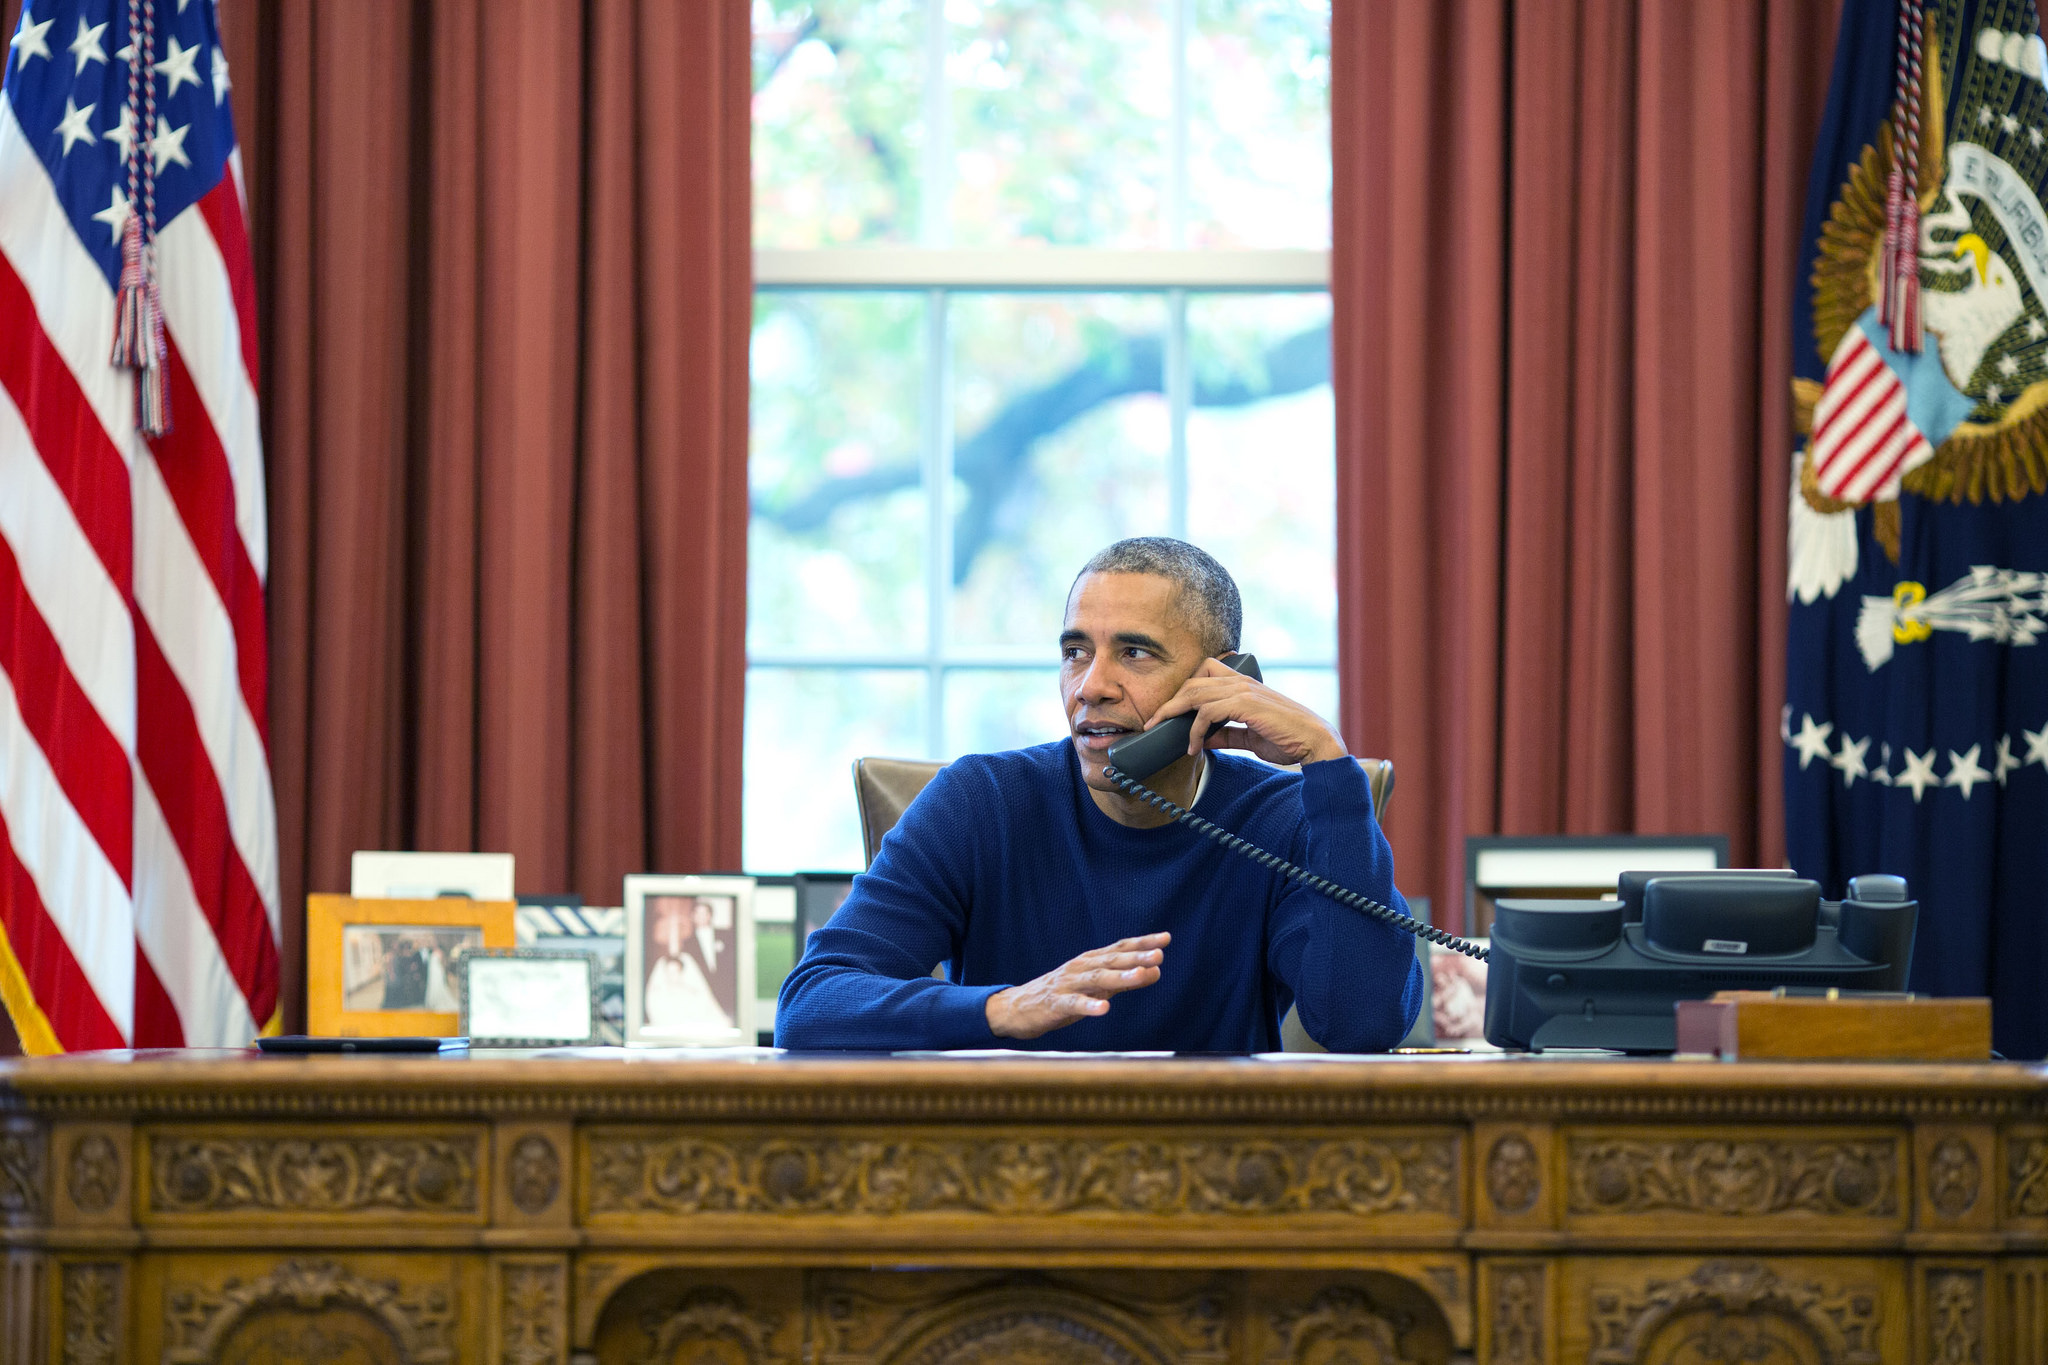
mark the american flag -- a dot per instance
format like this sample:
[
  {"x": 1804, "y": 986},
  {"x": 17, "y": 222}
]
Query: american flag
[{"x": 138, "y": 872}]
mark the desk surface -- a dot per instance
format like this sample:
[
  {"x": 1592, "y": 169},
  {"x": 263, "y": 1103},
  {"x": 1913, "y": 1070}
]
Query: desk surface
[{"x": 496, "y": 1208}]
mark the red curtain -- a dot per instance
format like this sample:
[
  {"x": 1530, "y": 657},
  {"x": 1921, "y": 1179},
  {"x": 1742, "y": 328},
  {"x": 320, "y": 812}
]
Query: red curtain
[
  {"x": 1564, "y": 243},
  {"x": 506, "y": 287}
]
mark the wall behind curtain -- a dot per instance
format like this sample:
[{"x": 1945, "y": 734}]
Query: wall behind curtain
[
  {"x": 1565, "y": 235},
  {"x": 505, "y": 283}
]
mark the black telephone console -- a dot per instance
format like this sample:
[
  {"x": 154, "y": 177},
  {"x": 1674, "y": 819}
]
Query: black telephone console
[
  {"x": 1142, "y": 755},
  {"x": 1607, "y": 974}
]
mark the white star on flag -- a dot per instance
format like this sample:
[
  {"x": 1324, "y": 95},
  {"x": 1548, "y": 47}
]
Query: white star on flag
[
  {"x": 86, "y": 46},
  {"x": 1812, "y": 740},
  {"x": 2006, "y": 762},
  {"x": 114, "y": 215},
  {"x": 123, "y": 136},
  {"x": 1849, "y": 762},
  {"x": 29, "y": 41},
  {"x": 1964, "y": 771},
  {"x": 221, "y": 83},
  {"x": 1882, "y": 774},
  {"x": 177, "y": 67},
  {"x": 169, "y": 144},
  {"x": 2037, "y": 746},
  {"x": 72, "y": 127},
  {"x": 1919, "y": 773}
]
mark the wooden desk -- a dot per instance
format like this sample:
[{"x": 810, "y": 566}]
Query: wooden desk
[{"x": 185, "y": 1208}]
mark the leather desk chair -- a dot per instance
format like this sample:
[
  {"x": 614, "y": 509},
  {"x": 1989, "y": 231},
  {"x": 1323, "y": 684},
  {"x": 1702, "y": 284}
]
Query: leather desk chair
[{"x": 885, "y": 787}]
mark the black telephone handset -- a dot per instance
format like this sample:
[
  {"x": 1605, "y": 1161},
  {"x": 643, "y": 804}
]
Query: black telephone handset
[{"x": 1144, "y": 754}]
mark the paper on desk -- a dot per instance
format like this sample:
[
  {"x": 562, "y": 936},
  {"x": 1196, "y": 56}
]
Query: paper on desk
[
  {"x": 664, "y": 1054},
  {"x": 1026, "y": 1054}
]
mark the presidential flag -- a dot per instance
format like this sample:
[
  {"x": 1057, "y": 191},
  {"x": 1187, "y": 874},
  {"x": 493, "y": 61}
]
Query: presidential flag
[
  {"x": 1916, "y": 719},
  {"x": 138, "y": 867}
]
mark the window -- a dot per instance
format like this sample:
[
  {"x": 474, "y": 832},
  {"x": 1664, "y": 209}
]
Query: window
[{"x": 1032, "y": 275}]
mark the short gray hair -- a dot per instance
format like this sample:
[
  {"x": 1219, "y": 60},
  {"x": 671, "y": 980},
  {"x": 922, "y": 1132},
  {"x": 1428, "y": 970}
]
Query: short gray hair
[{"x": 1206, "y": 588}]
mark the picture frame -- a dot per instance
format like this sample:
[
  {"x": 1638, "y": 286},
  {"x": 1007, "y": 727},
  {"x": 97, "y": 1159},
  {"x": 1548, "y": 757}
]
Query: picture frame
[
  {"x": 378, "y": 968},
  {"x": 427, "y": 876},
  {"x": 690, "y": 974},
  {"x": 529, "y": 997}
]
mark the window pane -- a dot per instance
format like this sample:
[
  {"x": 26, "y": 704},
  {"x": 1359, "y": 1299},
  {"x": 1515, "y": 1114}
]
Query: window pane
[
  {"x": 838, "y": 126},
  {"x": 1261, "y": 463},
  {"x": 1315, "y": 688},
  {"x": 989, "y": 709},
  {"x": 805, "y": 726},
  {"x": 1062, "y": 438},
  {"x": 1059, "y": 121},
  {"x": 836, "y": 545},
  {"x": 1259, "y": 124}
]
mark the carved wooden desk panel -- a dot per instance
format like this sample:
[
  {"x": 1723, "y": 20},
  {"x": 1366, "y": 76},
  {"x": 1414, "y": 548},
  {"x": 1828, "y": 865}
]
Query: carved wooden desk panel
[{"x": 175, "y": 1209}]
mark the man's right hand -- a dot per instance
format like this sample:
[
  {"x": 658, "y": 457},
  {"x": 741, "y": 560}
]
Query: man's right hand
[{"x": 1077, "y": 990}]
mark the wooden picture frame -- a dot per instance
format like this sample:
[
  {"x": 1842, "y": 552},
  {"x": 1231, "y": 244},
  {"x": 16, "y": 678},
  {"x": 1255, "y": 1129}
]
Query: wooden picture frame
[
  {"x": 529, "y": 997},
  {"x": 352, "y": 943},
  {"x": 679, "y": 993}
]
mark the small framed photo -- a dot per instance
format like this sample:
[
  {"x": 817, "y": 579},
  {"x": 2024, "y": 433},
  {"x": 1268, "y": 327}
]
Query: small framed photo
[
  {"x": 556, "y": 922},
  {"x": 690, "y": 978},
  {"x": 387, "y": 968},
  {"x": 529, "y": 997}
]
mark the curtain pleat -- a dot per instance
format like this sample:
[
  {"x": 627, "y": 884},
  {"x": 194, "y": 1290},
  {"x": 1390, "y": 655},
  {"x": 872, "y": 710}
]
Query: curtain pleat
[
  {"x": 506, "y": 292},
  {"x": 1564, "y": 240}
]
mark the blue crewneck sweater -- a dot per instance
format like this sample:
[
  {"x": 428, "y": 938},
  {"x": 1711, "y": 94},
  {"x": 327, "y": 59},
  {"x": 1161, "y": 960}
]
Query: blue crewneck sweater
[{"x": 1004, "y": 867}]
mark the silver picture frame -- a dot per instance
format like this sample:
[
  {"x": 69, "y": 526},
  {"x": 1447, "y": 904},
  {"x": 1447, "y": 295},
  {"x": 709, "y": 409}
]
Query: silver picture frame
[
  {"x": 528, "y": 997},
  {"x": 690, "y": 973}
]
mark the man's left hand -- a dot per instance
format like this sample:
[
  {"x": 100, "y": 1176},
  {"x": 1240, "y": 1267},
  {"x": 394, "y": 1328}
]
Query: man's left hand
[{"x": 1234, "y": 712}]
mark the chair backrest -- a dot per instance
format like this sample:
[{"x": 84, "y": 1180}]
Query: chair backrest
[{"x": 884, "y": 788}]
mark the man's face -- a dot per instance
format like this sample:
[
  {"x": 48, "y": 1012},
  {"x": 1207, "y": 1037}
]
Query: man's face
[{"x": 1126, "y": 647}]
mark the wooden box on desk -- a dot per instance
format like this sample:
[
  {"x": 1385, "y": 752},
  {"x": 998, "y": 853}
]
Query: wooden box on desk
[
  {"x": 1764, "y": 1025},
  {"x": 341, "y": 930}
]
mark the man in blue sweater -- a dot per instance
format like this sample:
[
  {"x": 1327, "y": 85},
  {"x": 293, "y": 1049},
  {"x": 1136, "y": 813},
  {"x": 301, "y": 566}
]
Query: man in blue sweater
[{"x": 1072, "y": 916}]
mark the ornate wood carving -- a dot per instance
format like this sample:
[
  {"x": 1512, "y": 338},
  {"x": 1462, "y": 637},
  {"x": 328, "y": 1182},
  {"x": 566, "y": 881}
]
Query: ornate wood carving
[
  {"x": 1953, "y": 1176},
  {"x": 94, "y": 1173},
  {"x": 312, "y": 1175},
  {"x": 21, "y": 1174},
  {"x": 862, "y": 1175},
  {"x": 1735, "y": 1311},
  {"x": 2027, "y": 1177},
  {"x": 1517, "y": 1325},
  {"x": 1852, "y": 1178},
  {"x": 531, "y": 1313},
  {"x": 1955, "y": 1317},
  {"x": 92, "y": 1313},
  {"x": 1513, "y": 1177},
  {"x": 419, "y": 1318},
  {"x": 533, "y": 1174},
  {"x": 714, "y": 1321},
  {"x": 1342, "y": 1323}
]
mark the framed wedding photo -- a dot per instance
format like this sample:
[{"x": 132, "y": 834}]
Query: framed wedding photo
[
  {"x": 386, "y": 968},
  {"x": 690, "y": 961}
]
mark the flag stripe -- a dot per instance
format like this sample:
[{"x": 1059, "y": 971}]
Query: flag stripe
[
  {"x": 72, "y": 297},
  {"x": 222, "y": 208},
  {"x": 63, "y": 428},
  {"x": 174, "y": 762},
  {"x": 77, "y": 888},
  {"x": 67, "y": 998},
  {"x": 199, "y": 318},
  {"x": 175, "y": 599},
  {"x": 176, "y": 942},
  {"x": 88, "y": 761},
  {"x": 195, "y": 473},
  {"x": 84, "y": 610},
  {"x": 156, "y": 1015}
]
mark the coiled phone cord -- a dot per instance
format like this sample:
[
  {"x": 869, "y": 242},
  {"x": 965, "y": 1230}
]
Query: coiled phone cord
[{"x": 1324, "y": 885}]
